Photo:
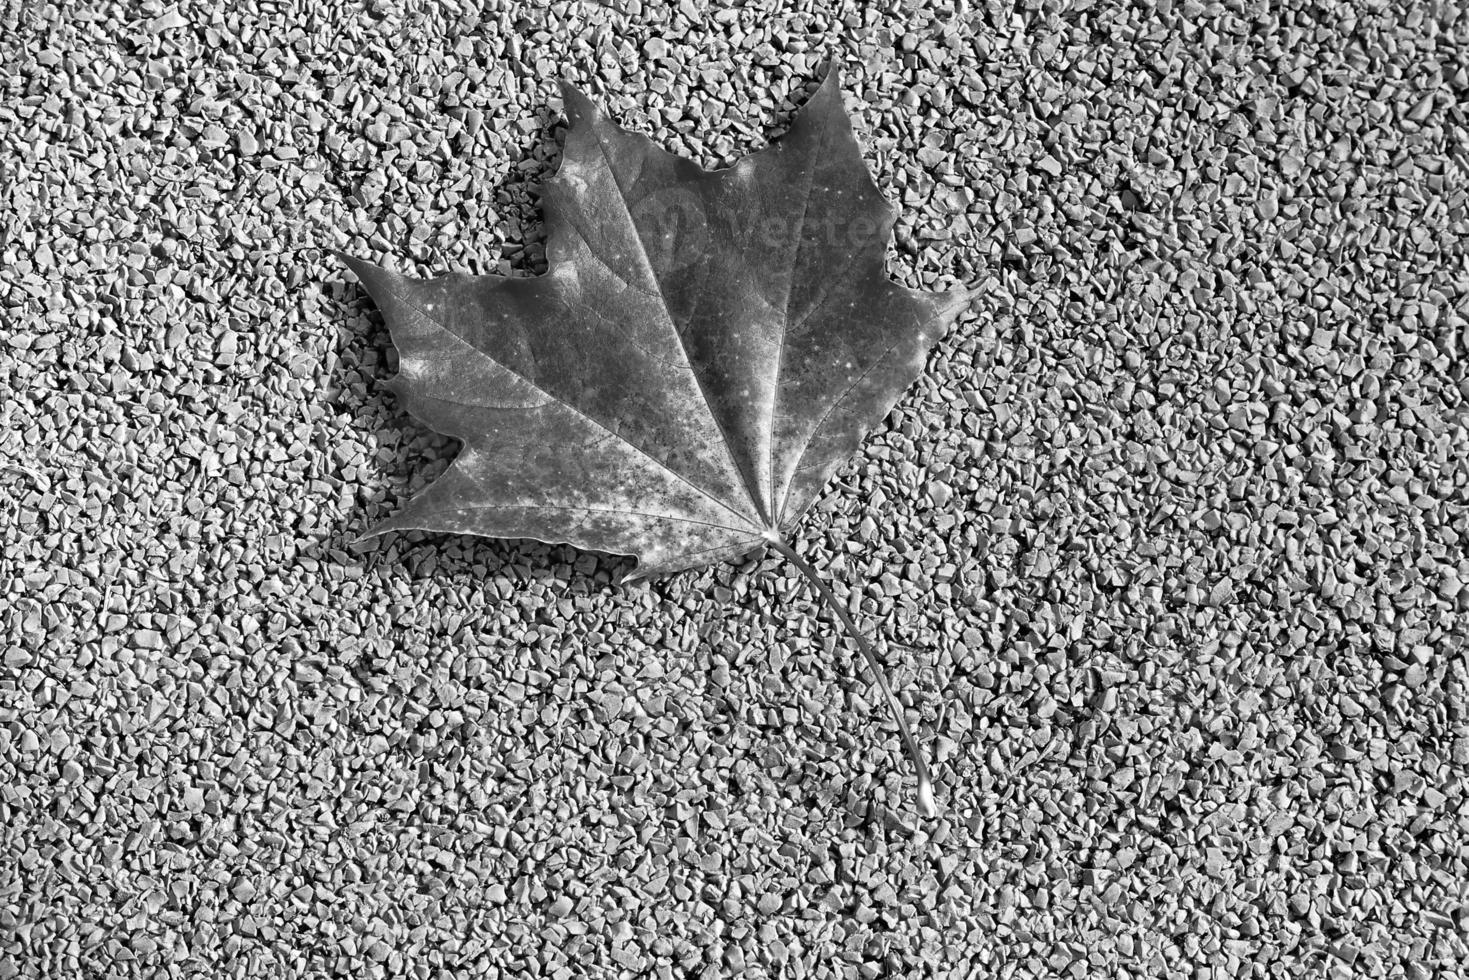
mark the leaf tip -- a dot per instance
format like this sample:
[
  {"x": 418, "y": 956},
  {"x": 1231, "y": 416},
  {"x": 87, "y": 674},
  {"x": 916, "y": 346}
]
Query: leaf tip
[
  {"x": 832, "y": 73},
  {"x": 824, "y": 105},
  {"x": 378, "y": 530},
  {"x": 575, "y": 103},
  {"x": 365, "y": 537},
  {"x": 633, "y": 577},
  {"x": 361, "y": 267}
]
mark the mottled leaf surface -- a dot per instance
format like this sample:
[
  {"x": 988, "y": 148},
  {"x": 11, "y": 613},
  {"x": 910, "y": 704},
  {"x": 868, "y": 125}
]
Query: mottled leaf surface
[{"x": 704, "y": 350}]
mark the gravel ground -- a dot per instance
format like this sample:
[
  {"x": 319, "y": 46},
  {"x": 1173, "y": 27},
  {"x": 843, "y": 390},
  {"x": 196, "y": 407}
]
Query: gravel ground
[{"x": 1168, "y": 547}]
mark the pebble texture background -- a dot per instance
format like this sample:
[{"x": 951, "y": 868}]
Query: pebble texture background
[{"x": 1168, "y": 548}]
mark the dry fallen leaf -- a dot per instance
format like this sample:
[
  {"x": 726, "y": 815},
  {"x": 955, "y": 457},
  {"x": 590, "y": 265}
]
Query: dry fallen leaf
[{"x": 704, "y": 350}]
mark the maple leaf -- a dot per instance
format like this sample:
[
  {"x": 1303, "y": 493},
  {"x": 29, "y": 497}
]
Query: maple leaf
[{"x": 704, "y": 350}]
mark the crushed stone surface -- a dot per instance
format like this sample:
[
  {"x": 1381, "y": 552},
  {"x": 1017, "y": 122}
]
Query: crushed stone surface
[{"x": 1168, "y": 548}]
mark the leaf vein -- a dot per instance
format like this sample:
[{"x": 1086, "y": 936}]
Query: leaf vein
[
  {"x": 668, "y": 317},
  {"x": 785, "y": 326},
  {"x": 569, "y": 407},
  {"x": 605, "y": 510}
]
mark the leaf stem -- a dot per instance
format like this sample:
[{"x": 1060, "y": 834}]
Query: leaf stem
[{"x": 915, "y": 754}]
